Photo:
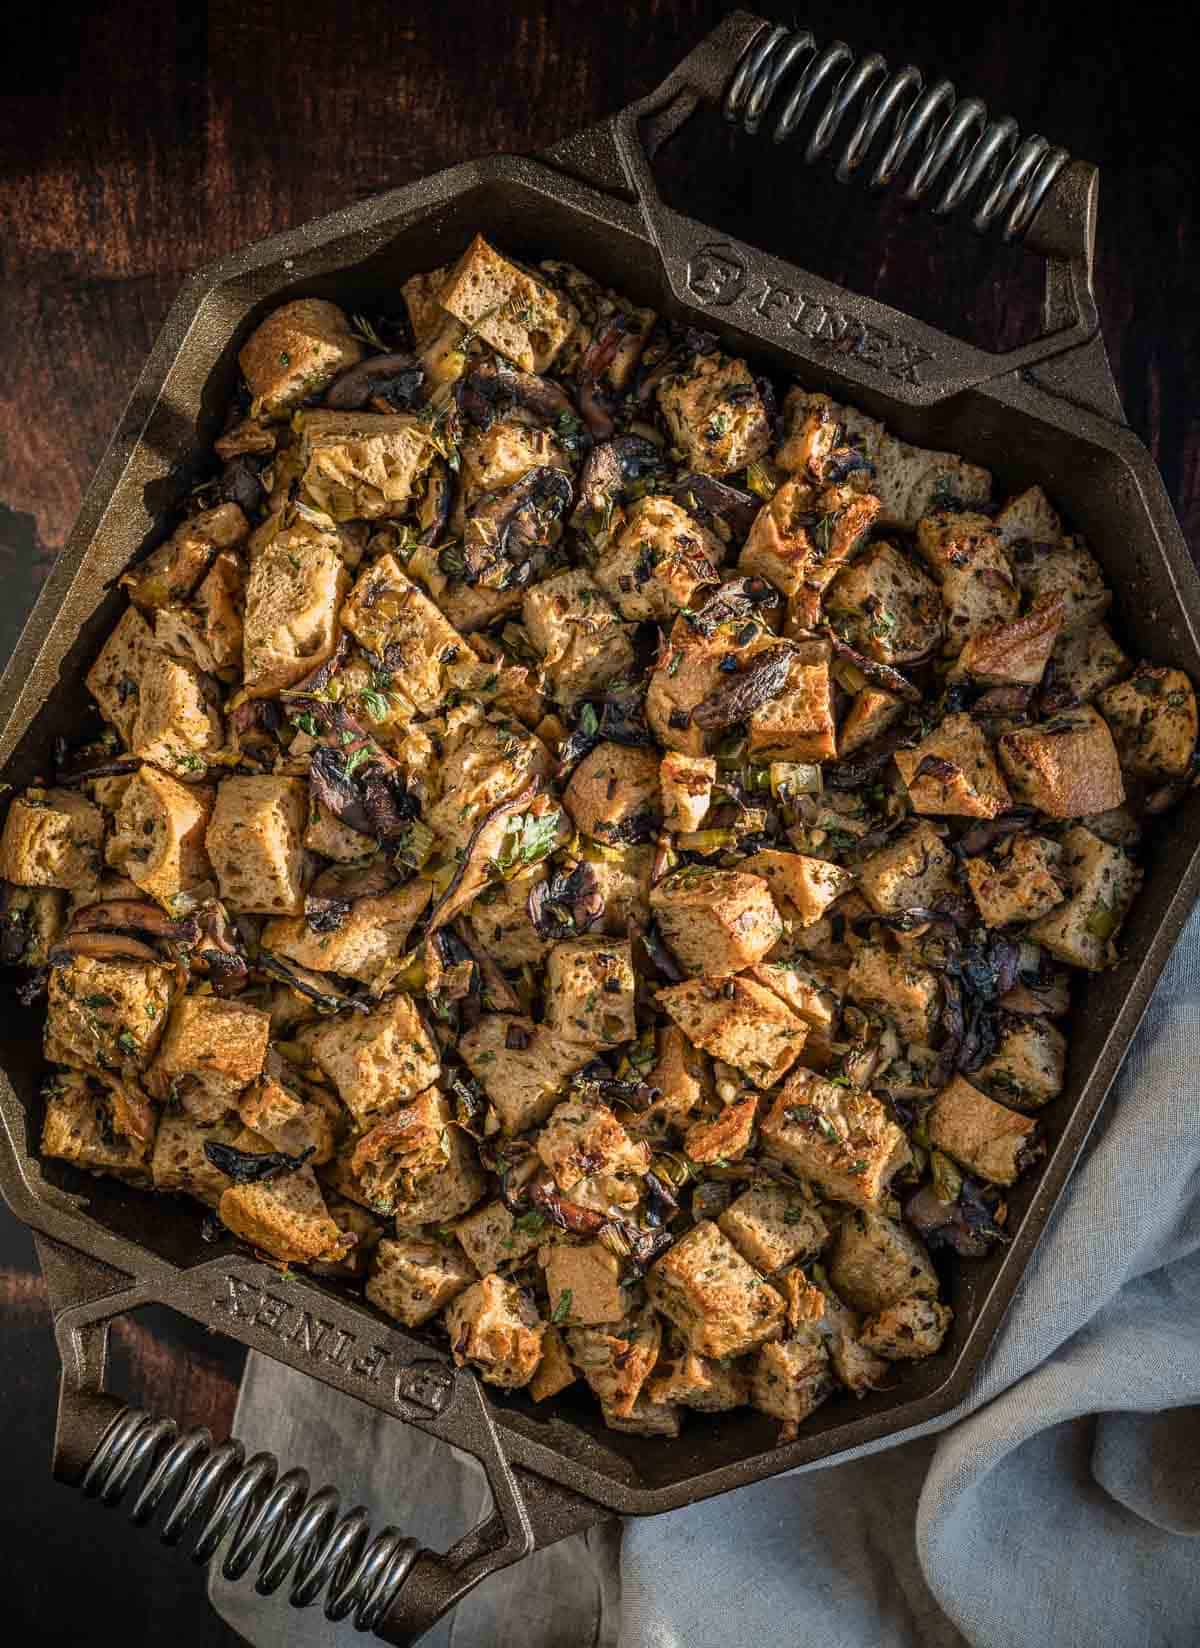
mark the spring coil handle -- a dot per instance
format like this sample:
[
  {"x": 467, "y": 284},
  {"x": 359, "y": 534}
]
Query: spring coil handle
[
  {"x": 268, "y": 1516},
  {"x": 957, "y": 147}
]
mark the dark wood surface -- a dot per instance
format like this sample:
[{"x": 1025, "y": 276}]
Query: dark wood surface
[{"x": 140, "y": 138}]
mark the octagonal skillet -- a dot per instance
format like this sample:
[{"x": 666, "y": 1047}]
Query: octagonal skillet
[{"x": 1046, "y": 412}]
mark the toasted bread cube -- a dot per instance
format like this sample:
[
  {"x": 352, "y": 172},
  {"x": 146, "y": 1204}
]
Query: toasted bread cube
[
  {"x": 493, "y": 459},
  {"x": 178, "y": 1162},
  {"x": 871, "y": 713},
  {"x": 377, "y": 1060},
  {"x": 284, "y": 1216},
  {"x": 496, "y": 1327},
  {"x": 329, "y": 837},
  {"x": 295, "y": 588},
  {"x": 590, "y": 991},
  {"x": 483, "y": 763},
  {"x": 297, "y": 1126},
  {"x": 1014, "y": 654},
  {"x": 176, "y": 567},
  {"x": 614, "y": 787},
  {"x": 101, "y": 1126},
  {"x": 387, "y": 1168},
  {"x": 617, "y": 1358},
  {"x": 953, "y": 771},
  {"x": 1024, "y": 884},
  {"x": 516, "y": 313},
  {"x": 855, "y": 1367},
  {"x": 363, "y": 465},
  {"x": 740, "y": 1022},
  {"x": 412, "y": 1280},
  {"x": 1152, "y": 717},
  {"x": 907, "y": 1330},
  {"x": 715, "y": 414},
  {"x": 209, "y": 629},
  {"x": 812, "y": 433},
  {"x": 913, "y": 869},
  {"x": 446, "y": 1194},
  {"x": 178, "y": 723},
  {"x": 841, "y": 1138},
  {"x": 984, "y": 1137},
  {"x": 658, "y": 562},
  {"x": 1083, "y": 663},
  {"x": 1028, "y": 1067},
  {"x": 699, "y": 1382},
  {"x": 687, "y": 782},
  {"x": 581, "y": 1140},
  {"x": 812, "y": 998},
  {"x": 52, "y": 838},
  {"x": 802, "y": 887},
  {"x": 114, "y": 680},
  {"x": 716, "y": 921},
  {"x": 719, "y": 1303},
  {"x": 584, "y": 1283},
  {"x": 367, "y": 945},
  {"x": 1029, "y": 517},
  {"x": 683, "y": 1077},
  {"x": 791, "y": 1378},
  {"x": 645, "y": 1418},
  {"x": 726, "y": 1137},
  {"x": 421, "y": 294},
  {"x": 802, "y": 536},
  {"x": 211, "y": 1051},
  {"x": 522, "y": 1067},
  {"x": 499, "y": 918},
  {"x": 687, "y": 672},
  {"x": 106, "y": 1015},
  {"x": 492, "y": 1238},
  {"x": 255, "y": 843},
  {"x": 888, "y": 982},
  {"x": 296, "y": 352},
  {"x": 1103, "y": 882},
  {"x": 354, "y": 1222},
  {"x": 770, "y": 1225},
  {"x": 576, "y": 629},
  {"x": 554, "y": 1371},
  {"x": 876, "y": 1261},
  {"x": 624, "y": 884},
  {"x": 798, "y": 724},
  {"x": 966, "y": 554},
  {"x": 1065, "y": 767},
  {"x": 1066, "y": 569},
  {"x": 886, "y": 606},
  {"x": 158, "y": 841},
  {"x": 31, "y": 922}
]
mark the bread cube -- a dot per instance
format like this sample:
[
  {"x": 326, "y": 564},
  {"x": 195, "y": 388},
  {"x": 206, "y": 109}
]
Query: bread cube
[
  {"x": 855, "y": 1367},
  {"x": 986, "y": 1138},
  {"x": 802, "y": 536},
  {"x": 699, "y": 1382},
  {"x": 1103, "y": 882},
  {"x": 770, "y": 1225},
  {"x": 367, "y": 944},
  {"x": 840, "y": 1138},
  {"x": 886, "y": 606},
  {"x": 1083, "y": 663},
  {"x": 645, "y": 1418},
  {"x": 101, "y": 1126},
  {"x": 888, "y": 982},
  {"x": 624, "y": 883},
  {"x": 590, "y": 991},
  {"x": 440, "y": 1197},
  {"x": 114, "y": 680},
  {"x": 106, "y": 1015},
  {"x": 659, "y": 561},
  {"x": 913, "y": 869},
  {"x": 412, "y": 1280},
  {"x": 211, "y": 1051},
  {"x": 1030, "y": 517},
  {"x": 811, "y": 997},
  {"x": 377, "y": 1060},
  {"x": 421, "y": 294},
  {"x": 683, "y": 1077},
  {"x": 328, "y": 836},
  {"x": 296, "y": 353},
  {"x": 687, "y": 672},
  {"x": 687, "y": 783},
  {"x": 363, "y": 465},
  {"x": 740, "y": 1022},
  {"x": 907, "y": 1330},
  {"x": 715, "y": 414},
  {"x": 289, "y": 1123},
  {"x": 803, "y": 887},
  {"x": 496, "y": 1327},
  {"x": 483, "y": 762},
  {"x": 521, "y": 316},
  {"x": 966, "y": 555},
  {"x": 493, "y": 1238},
  {"x": 953, "y": 771},
  {"x": 255, "y": 843},
  {"x": 31, "y": 922},
  {"x": 500, "y": 920},
  {"x": 52, "y": 838},
  {"x": 1028, "y": 1067},
  {"x": 178, "y": 723},
  {"x": 584, "y": 1283},
  {"x": 719, "y": 1303},
  {"x": 798, "y": 723},
  {"x": 521, "y": 1066},
  {"x": 872, "y": 711},
  {"x": 1014, "y": 654},
  {"x": 284, "y": 1216},
  {"x": 1068, "y": 570},
  {"x": 1152, "y": 717},
  {"x": 1065, "y": 767},
  {"x": 1023, "y": 884},
  {"x": 617, "y": 1358},
  {"x": 724, "y": 1138},
  {"x": 876, "y": 1261},
  {"x": 615, "y": 789},
  {"x": 581, "y": 1140},
  {"x": 493, "y": 459},
  {"x": 791, "y": 1378},
  {"x": 158, "y": 840},
  {"x": 178, "y": 1162},
  {"x": 716, "y": 921},
  {"x": 296, "y": 584},
  {"x": 554, "y": 1371},
  {"x": 574, "y": 626},
  {"x": 209, "y": 629},
  {"x": 172, "y": 572}
]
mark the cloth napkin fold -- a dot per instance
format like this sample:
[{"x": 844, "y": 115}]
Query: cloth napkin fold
[{"x": 1056, "y": 1506}]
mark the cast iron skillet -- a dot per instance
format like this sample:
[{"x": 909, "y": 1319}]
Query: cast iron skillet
[{"x": 1045, "y": 412}]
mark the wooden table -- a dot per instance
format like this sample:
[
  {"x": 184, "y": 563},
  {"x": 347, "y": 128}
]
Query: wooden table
[{"x": 153, "y": 135}]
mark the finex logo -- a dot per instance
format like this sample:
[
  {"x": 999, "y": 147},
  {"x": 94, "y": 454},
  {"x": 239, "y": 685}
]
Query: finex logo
[{"x": 718, "y": 276}]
